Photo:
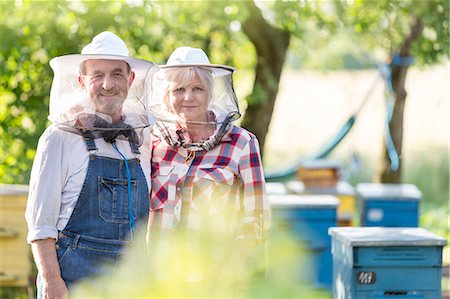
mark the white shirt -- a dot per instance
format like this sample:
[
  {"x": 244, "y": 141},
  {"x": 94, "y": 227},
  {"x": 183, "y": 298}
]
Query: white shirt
[{"x": 58, "y": 174}]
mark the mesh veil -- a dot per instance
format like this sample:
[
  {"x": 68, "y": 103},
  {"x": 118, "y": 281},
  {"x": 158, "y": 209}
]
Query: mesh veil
[{"x": 222, "y": 107}]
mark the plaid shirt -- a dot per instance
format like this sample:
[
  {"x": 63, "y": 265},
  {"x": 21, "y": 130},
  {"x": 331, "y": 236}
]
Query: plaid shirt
[{"x": 223, "y": 187}]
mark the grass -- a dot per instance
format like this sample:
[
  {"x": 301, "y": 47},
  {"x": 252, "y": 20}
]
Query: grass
[{"x": 13, "y": 293}]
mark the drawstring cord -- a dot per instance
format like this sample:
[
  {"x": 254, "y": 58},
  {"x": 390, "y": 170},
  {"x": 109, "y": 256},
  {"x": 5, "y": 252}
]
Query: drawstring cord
[
  {"x": 130, "y": 202},
  {"x": 190, "y": 156}
]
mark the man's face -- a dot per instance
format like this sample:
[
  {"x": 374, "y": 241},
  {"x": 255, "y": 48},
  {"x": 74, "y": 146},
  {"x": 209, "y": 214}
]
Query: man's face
[{"x": 106, "y": 83}]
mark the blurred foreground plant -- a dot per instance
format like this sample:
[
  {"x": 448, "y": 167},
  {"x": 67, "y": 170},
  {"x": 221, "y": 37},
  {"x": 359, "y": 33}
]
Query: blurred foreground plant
[{"x": 273, "y": 270}]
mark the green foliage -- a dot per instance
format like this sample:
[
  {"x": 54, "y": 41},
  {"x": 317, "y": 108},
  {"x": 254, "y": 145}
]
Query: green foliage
[
  {"x": 25, "y": 82},
  {"x": 430, "y": 172},
  {"x": 33, "y": 32},
  {"x": 386, "y": 23},
  {"x": 358, "y": 34},
  {"x": 328, "y": 34},
  {"x": 142, "y": 273},
  {"x": 343, "y": 51},
  {"x": 13, "y": 293},
  {"x": 436, "y": 220}
]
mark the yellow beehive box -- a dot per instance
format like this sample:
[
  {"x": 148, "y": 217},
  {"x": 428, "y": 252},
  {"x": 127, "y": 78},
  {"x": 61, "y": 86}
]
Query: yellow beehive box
[
  {"x": 343, "y": 190},
  {"x": 15, "y": 259},
  {"x": 319, "y": 173}
]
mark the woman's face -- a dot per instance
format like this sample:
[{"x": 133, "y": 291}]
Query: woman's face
[{"x": 190, "y": 101}]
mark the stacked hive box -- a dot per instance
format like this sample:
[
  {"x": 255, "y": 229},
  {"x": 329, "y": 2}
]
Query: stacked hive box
[
  {"x": 307, "y": 219},
  {"x": 386, "y": 262},
  {"x": 389, "y": 205},
  {"x": 319, "y": 173},
  {"x": 15, "y": 260},
  {"x": 343, "y": 190}
]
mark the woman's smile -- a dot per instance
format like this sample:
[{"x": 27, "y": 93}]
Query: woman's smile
[{"x": 190, "y": 101}]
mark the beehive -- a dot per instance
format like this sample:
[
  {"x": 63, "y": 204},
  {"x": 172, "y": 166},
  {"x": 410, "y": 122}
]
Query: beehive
[
  {"x": 319, "y": 173},
  {"x": 389, "y": 205},
  {"x": 386, "y": 262},
  {"x": 343, "y": 190},
  {"x": 307, "y": 218},
  {"x": 15, "y": 261}
]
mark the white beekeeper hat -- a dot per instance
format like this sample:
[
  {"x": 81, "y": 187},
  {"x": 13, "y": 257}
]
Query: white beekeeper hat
[
  {"x": 105, "y": 45},
  {"x": 192, "y": 57},
  {"x": 222, "y": 108},
  {"x": 68, "y": 100}
]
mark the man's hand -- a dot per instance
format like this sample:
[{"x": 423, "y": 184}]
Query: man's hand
[
  {"x": 54, "y": 288},
  {"x": 44, "y": 253}
]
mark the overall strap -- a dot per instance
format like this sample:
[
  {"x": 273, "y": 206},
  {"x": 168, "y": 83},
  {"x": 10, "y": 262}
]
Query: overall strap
[
  {"x": 89, "y": 140},
  {"x": 134, "y": 148},
  {"x": 90, "y": 143}
]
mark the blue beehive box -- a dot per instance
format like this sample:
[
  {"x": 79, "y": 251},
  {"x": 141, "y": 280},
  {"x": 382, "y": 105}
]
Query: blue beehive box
[
  {"x": 307, "y": 218},
  {"x": 389, "y": 205},
  {"x": 342, "y": 190},
  {"x": 386, "y": 262}
]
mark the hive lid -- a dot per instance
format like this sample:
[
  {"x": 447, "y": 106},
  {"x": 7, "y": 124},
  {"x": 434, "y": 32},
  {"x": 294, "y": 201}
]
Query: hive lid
[
  {"x": 7, "y": 189},
  {"x": 342, "y": 188},
  {"x": 321, "y": 164},
  {"x": 275, "y": 188},
  {"x": 385, "y": 236},
  {"x": 303, "y": 201},
  {"x": 388, "y": 191}
]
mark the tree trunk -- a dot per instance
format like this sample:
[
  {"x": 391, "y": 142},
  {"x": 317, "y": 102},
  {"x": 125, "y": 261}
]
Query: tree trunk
[
  {"x": 399, "y": 69},
  {"x": 271, "y": 46}
]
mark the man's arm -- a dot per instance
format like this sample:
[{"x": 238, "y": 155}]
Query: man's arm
[
  {"x": 44, "y": 253},
  {"x": 43, "y": 209}
]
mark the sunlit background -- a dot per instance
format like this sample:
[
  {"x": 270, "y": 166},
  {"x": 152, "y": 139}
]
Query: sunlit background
[{"x": 332, "y": 69}]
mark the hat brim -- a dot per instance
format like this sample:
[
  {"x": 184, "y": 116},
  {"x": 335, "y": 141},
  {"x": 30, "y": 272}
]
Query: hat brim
[
  {"x": 71, "y": 62},
  {"x": 220, "y": 69}
]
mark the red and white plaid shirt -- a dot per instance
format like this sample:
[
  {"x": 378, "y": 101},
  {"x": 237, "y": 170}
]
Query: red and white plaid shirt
[{"x": 224, "y": 185}]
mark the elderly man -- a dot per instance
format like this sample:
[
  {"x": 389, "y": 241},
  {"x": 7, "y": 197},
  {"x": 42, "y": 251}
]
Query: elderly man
[{"x": 87, "y": 188}]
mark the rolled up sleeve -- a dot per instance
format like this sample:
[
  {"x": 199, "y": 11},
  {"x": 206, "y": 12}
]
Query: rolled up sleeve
[{"x": 46, "y": 182}]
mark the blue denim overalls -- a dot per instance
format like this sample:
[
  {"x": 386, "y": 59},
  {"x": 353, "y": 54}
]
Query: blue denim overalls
[{"x": 100, "y": 224}]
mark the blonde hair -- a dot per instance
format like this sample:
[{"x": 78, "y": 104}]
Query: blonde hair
[{"x": 178, "y": 77}]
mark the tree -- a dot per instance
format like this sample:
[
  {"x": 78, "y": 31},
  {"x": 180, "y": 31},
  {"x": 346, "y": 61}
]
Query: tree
[
  {"x": 403, "y": 30},
  {"x": 32, "y": 32},
  {"x": 270, "y": 27},
  {"x": 406, "y": 31},
  {"x": 25, "y": 80},
  {"x": 271, "y": 45}
]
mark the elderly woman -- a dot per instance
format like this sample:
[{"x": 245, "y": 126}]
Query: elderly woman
[{"x": 207, "y": 173}]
